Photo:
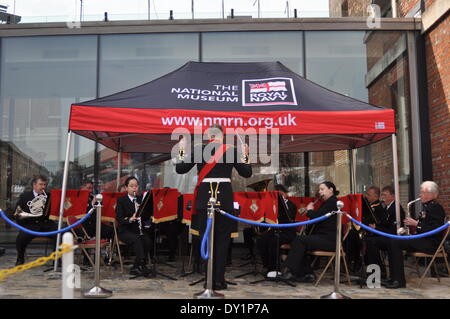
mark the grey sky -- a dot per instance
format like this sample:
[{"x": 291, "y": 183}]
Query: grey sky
[{"x": 71, "y": 8}]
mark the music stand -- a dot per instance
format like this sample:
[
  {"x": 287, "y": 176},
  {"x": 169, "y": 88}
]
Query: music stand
[
  {"x": 276, "y": 232},
  {"x": 148, "y": 212}
]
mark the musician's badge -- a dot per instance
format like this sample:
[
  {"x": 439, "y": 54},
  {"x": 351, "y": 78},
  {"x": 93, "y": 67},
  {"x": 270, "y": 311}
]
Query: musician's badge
[
  {"x": 67, "y": 203},
  {"x": 254, "y": 207},
  {"x": 423, "y": 214}
]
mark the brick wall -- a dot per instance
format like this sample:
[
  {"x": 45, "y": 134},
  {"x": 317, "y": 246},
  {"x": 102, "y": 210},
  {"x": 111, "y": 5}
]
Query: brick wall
[{"x": 437, "y": 48}]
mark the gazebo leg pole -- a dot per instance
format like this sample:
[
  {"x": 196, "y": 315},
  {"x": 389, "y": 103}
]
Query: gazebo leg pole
[
  {"x": 63, "y": 193},
  {"x": 396, "y": 180},
  {"x": 119, "y": 169}
]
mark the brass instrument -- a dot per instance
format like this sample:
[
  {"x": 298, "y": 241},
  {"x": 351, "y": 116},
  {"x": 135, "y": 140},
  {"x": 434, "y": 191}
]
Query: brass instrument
[
  {"x": 405, "y": 229},
  {"x": 260, "y": 186},
  {"x": 36, "y": 206}
]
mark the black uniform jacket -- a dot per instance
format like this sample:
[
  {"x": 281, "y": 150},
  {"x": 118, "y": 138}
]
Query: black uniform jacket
[
  {"x": 24, "y": 198},
  {"x": 389, "y": 225},
  {"x": 431, "y": 217},
  {"x": 222, "y": 169},
  {"x": 326, "y": 227},
  {"x": 125, "y": 209}
]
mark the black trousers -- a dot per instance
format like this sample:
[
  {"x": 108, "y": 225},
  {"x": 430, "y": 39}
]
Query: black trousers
[
  {"x": 172, "y": 230},
  {"x": 373, "y": 246},
  {"x": 249, "y": 235},
  {"x": 23, "y": 238},
  {"x": 395, "y": 251},
  {"x": 223, "y": 227},
  {"x": 297, "y": 260},
  {"x": 267, "y": 246},
  {"x": 141, "y": 245},
  {"x": 353, "y": 246}
]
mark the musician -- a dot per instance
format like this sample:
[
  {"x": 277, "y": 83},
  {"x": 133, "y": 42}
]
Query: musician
[
  {"x": 129, "y": 230},
  {"x": 267, "y": 242},
  {"x": 90, "y": 225},
  {"x": 387, "y": 224},
  {"x": 31, "y": 212},
  {"x": 373, "y": 214},
  {"x": 323, "y": 237},
  {"x": 431, "y": 217},
  {"x": 226, "y": 158}
]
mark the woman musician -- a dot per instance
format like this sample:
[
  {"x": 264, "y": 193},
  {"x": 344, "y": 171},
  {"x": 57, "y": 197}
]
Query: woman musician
[
  {"x": 323, "y": 237},
  {"x": 131, "y": 229}
]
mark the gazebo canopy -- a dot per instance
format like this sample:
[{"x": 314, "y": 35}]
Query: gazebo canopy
[{"x": 267, "y": 95}]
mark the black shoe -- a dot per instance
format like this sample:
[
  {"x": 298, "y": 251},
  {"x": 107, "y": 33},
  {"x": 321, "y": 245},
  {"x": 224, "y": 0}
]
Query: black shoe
[
  {"x": 385, "y": 282},
  {"x": 220, "y": 286},
  {"x": 286, "y": 274},
  {"x": 395, "y": 285},
  {"x": 308, "y": 278},
  {"x": 136, "y": 271},
  {"x": 20, "y": 261}
]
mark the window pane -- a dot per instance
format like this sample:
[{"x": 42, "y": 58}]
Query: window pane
[
  {"x": 40, "y": 78},
  {"x": 130, "y": 60},
  {"x": 285, "y": 47}
]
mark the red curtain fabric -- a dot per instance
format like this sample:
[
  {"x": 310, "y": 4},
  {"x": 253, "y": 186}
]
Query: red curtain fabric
[{"x": 75, "y": 203}]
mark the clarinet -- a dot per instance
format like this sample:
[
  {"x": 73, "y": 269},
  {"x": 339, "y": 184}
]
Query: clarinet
[{"x": 136, "y": 208}]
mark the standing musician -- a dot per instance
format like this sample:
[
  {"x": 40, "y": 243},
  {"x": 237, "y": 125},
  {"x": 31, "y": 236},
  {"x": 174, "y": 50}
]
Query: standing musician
[
  {"x": 107, "y": 232},
  {"x": 431, "y": 217},
  {"x": 387, "y": 224},
  {"x": 32, "y": 212},
  {"x": 130, "y": 227},
  {"x": 267, "y": 242},
  {"x": 214, "y": 180},
  {"x": 323, "y": 237}
]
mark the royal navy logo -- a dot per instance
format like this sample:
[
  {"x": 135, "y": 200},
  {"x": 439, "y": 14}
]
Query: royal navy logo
[{"x": 270, "y": 91}]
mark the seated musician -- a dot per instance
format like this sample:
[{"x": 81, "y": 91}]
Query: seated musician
[
  {"x": 267, "y": 242},
  {"x": 373, "y": 214},
  {"x": 431, "y": 217},
  {"x": 31, "y": 212},
  {"x": 130, "y": 231},
  {"x": 90, "y": 225},
  {"x": 386, "y": 223},
  {"x": 323, "y": 237}
]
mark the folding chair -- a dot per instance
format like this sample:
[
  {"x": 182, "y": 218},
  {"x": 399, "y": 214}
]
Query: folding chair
[
  {"x": 332, "y": 256},
  {"x": 85, "y": 242},
  {"x": 440, "y": 252},
  {"x": 116, "y": 243}
]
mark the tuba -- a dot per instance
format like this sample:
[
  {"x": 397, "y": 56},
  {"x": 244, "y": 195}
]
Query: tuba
[
  {"x": 260, "y": 186},
  {"x": 405, "y": 229},
  {"x": 36, "y": 207}
]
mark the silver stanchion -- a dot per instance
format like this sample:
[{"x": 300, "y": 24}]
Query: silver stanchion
[
  {"x": 97, "y": 291},
  {"x": 68, "y": 282},
  {"x": 337, "y": 269},
  {"x": 209, "y": 293}
]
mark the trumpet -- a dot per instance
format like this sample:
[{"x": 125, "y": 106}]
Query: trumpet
[{"x": 405, "y": 229}]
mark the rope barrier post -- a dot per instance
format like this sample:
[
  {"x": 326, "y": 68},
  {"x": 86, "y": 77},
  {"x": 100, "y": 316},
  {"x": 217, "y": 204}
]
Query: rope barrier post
[
  {"x": 97, "y": 291},
  {"x": 209, "y": 293},
  {"x": 337, "y": 269},
  {"x": 68, "y": 283}
]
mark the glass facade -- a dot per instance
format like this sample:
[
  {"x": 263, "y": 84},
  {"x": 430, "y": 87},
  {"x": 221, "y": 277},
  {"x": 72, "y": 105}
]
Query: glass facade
[{"x": 41, "y": 76}]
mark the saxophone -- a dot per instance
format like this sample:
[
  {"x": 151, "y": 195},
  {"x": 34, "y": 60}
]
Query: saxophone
[{"x": 405, "y": 229}]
